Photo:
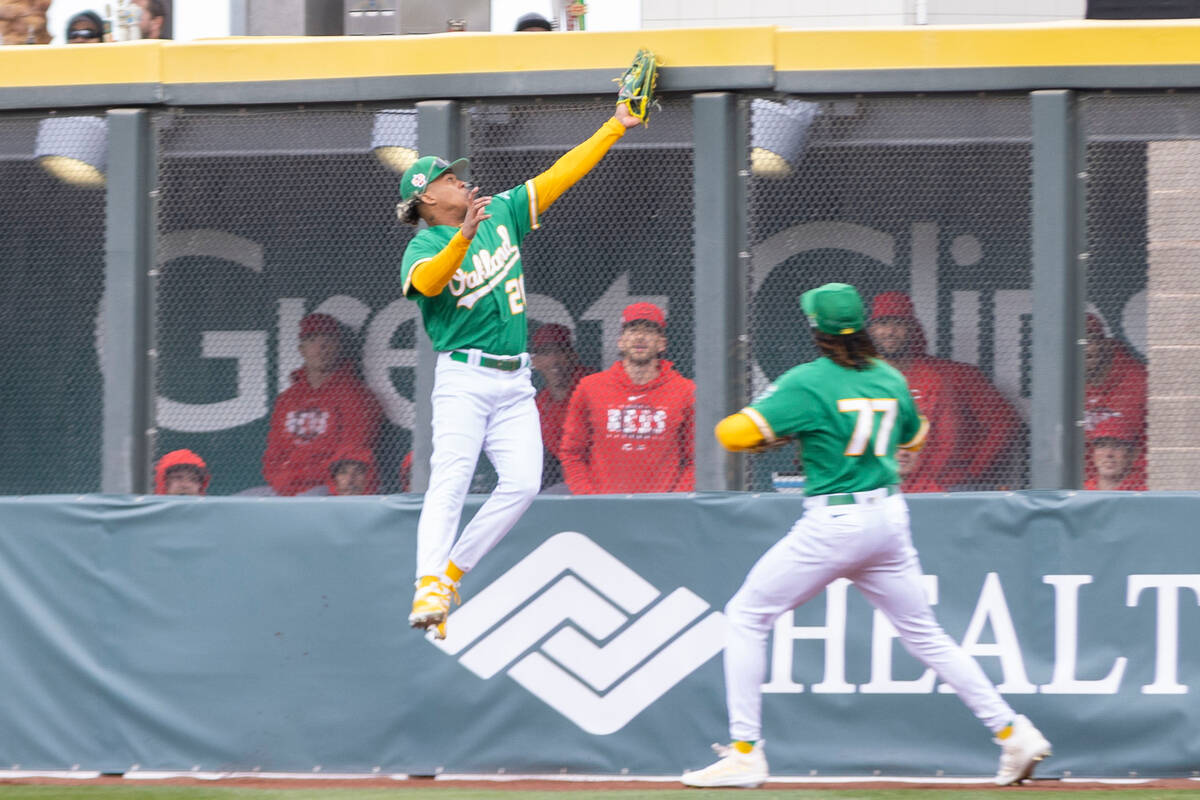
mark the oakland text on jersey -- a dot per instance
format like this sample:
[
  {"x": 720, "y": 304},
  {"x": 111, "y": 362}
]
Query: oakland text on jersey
[{"x": 490, "y": 267}]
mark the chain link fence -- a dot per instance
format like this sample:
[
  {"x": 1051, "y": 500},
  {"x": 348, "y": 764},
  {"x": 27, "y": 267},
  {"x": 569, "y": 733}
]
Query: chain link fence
[
  {"x": 285, "y": 352},
  {"x": 1143, "y": 214},
  {"x": 923, "y": 204},
  {"x": 52, "y": 218},
  {"x": 609, "y": 289},
  {"x": 285, "y": 349}
]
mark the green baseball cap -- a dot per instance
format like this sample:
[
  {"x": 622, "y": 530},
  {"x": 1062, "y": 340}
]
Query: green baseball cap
[
  {"x": 834, "y": 308},
  {"x": 426, "y": 170}
]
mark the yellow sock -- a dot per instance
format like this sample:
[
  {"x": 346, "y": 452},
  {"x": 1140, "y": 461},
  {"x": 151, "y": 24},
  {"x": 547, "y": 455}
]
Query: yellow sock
[
  {"x": 1005, "y": 732},
  {"x": 743, "y": 747},
  {"x": 453, "y": 572}
]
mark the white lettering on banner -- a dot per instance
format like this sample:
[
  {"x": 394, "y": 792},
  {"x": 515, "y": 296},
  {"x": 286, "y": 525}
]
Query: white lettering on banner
[
  {"x": 248, "y": 349},
  {"x": 883, "y": 634},
  {"x": 1166, "y": 660},
  {"x": 1066, "y": 642},
  {"x": 993, "y": 608},
  {"x": 507, "y": 619},
  {"x": 833, "y": 632}
]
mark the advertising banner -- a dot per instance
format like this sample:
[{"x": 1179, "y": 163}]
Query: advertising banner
[{"x": 237, "y": 633}]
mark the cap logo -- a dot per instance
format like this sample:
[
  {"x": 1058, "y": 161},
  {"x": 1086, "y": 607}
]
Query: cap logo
[{"x": 419, "y": 180}]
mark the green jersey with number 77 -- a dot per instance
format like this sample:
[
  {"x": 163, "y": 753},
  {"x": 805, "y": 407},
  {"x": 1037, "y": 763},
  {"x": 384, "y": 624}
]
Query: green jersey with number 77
[{"x": 849, "y": 422}]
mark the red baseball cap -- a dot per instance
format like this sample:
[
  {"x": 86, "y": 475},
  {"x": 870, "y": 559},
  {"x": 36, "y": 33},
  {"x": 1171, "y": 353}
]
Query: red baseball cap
[
  {"x": 550, "y": 335},
  {"x": 314, "y": 324},
  {"x": 643, "y": 311},
  {"x": 1119, "y": 428},
  {"x": 892, "y": 304}
]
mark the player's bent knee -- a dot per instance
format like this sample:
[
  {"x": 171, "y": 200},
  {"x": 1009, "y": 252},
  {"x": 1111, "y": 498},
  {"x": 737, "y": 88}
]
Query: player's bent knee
[{"x": 737, "y": 614}]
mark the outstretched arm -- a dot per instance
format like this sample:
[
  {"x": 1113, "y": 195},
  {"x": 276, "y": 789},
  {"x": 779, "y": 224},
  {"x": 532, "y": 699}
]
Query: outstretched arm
[{"x": 577, "y": 162}]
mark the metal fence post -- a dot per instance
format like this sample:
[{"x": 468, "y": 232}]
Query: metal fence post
[
  {"x": 1059, "y": 290},
  {"x": 439, "y": 132},
  {"x": 720, "y": 259},
  {"x": 125, "y": 308}
]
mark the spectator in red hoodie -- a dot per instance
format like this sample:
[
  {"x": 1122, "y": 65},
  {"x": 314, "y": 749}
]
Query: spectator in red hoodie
[
  {"x": 1115, "y": 392},
  {"x": 353, "y": 472},
  {"x": 326, "y": 410},
  {"x": 556, "y": 361},
  {"x": 181, "y": 472},
  {"x": 631, "y": 428},
  {"x": 973, "y": 430},
  {"x": 1113, "y": 449}
]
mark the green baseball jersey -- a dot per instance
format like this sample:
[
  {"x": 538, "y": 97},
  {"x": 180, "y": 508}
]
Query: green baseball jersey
[
  {"x": 483, "y": 306},
  {"x": 848, "y": 422}
]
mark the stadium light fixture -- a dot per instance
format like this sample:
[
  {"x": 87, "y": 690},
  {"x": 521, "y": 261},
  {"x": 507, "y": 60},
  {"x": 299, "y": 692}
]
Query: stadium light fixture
[
  {"x": 778, "y": 133},
  {"x": 394, "y": 137},
  {"x": 74, "y": 149}
]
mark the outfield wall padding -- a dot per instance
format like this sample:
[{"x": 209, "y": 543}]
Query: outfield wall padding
[{"x": 239, "y": 633}]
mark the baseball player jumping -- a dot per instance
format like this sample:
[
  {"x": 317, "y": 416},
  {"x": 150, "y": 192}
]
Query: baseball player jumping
[
  {"x": 464, "y": 270},
  {"x": 849, "y": 410}
]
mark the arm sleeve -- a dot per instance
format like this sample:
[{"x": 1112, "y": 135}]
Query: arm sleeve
[
  {"x": 577, "y": 162},
  {"x": 575, "y": 450},
  {"x": 431, "y": 274},
  {"x": 740, "y": 431},
  {"x": 913, "y": 426}
]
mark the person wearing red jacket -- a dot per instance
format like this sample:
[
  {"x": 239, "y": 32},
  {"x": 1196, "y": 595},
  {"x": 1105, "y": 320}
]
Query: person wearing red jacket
[
  {"x": 1113, "y": 451},
  {"x": 181, "y": 472},
  {"x": 631, "y": 428},
  {"x": 1114, "y": 392},
  {"x": 353, "y": 472},
  {"x": 556, "y": 361},
  {"x": 973, "y": 429},
  {"x": 326, "y": 410}
]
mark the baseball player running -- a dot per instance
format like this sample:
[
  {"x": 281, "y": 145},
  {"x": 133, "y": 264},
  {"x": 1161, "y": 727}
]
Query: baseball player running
[
  {"x": 850, "y": 411},
  {"x": 464, "y": 270}
]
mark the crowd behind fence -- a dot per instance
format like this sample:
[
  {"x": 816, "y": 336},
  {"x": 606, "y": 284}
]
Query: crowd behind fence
[{"x": 283, "y": 356}]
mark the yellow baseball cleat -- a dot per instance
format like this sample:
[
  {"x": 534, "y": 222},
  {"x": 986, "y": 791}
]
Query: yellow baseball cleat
[
  {"x": 732, "y": 769},
  {"x": 431, "y": 603}
]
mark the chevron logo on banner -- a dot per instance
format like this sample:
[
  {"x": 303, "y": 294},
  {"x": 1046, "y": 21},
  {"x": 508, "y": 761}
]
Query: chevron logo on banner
[{"x": 574, "y": 586}]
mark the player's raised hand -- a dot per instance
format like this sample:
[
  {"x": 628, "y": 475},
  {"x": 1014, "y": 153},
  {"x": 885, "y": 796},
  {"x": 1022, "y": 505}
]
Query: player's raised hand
[
  {"x": 625, "y": 116},
  {"x": 476, "y": 213}
]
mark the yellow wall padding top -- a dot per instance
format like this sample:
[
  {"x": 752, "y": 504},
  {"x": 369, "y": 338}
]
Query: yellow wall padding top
[
  {"x": 250, "y": 59},
  {"x": 1091, "y": 43}
]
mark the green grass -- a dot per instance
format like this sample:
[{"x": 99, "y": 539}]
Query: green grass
[{"x": 15, "y": 792}]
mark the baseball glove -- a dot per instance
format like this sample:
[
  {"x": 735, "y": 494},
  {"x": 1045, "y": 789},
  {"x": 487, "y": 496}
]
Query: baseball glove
[{"x": 636, "y": 87}]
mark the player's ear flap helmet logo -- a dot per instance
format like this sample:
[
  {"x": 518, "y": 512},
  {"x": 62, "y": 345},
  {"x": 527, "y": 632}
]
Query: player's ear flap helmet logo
[
  {"x": 425, "y": 171},
  {"x": 834, "y": 308}
]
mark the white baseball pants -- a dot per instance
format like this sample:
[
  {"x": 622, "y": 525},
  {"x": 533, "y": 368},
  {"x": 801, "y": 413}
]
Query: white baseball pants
[
  {"x": 868, "y": 542},
  {"x": 477, "y": 407}
]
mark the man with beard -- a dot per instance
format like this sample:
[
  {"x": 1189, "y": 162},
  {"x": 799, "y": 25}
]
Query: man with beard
[
  {"x": 974, "y": 431},
  {"x": 631, "y": 428}
]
